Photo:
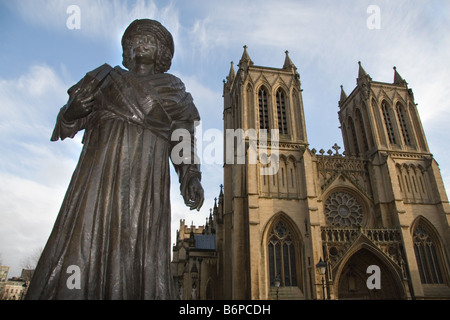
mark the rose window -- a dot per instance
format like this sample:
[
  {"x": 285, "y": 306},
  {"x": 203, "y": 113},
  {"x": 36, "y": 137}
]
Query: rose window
[{"x": 343, "y": 210}]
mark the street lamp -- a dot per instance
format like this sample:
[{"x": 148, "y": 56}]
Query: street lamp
[
  {"x": 277, "y": 283},
  {"x": 321, "y": 267}
]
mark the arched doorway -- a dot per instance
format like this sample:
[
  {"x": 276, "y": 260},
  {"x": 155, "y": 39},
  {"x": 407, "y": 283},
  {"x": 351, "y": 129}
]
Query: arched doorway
[{"x": 352, "y": 282}]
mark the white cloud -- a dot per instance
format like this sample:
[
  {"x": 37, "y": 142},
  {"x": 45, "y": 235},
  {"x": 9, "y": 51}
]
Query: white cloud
[
  {"x": 34, "y": 171},
  {"x": 100, "y": 20},
  {"x": 29, "y": 211},
  {"x": 28, "y": 112}
]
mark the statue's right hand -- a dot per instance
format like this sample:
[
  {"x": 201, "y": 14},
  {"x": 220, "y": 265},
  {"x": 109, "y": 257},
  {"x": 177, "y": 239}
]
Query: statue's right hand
[{"x": 79, "y": 106}]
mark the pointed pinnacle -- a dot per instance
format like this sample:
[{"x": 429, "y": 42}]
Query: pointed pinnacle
[
  {"x": 288, "y": 64},
  {"x": 398, "y": 78}
]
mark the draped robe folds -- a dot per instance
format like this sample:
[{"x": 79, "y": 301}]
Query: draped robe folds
[{"x": 111, "y": 239}]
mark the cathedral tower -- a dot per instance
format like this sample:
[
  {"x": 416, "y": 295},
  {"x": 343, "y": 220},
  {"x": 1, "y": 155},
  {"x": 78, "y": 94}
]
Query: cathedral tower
[
  {"x": 263, "y": 197},
  {"x": 380, "y": 124}
]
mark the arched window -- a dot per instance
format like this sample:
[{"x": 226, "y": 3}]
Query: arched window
[
  {"x": 251, "y": 118},
  {"x": 351, "y": 125},
  {"x": 281, "y": 255},
  {"x": 263, "y": 109},
  {"x": 281, "y": 112},
  {"x": 388, "y": 123},
  {"x": 427, "y": 256},
  {"x": 362, "y": 130},
  {"x": 403, "y": 125}
]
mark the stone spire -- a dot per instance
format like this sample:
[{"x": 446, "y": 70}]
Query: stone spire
[
  {"x": 398, "y": 78},
  {"x": 363, "y": 81},
  {"x": 288, "y": 64},
  {"x": 343, "y": 95},
  {"x": 361, "y": 72},
  {"x": 245, "y": 59},
  {"x": 231, "y": 74}
]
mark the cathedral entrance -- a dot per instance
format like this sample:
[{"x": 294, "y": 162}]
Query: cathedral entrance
[{"x": 352, "y": 283}]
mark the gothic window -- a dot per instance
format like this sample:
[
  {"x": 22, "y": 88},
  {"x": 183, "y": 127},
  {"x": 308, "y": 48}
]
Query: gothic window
[
  {"x": 403, "y": 125},
  {"x": 362, "y": 130},
  {"x": 343, "y": 210},
  {"x": 281, "y": 112},
  {"x": 345, "y": 137},
  {"x": 354, "y": 137},
  {"x": 292, "y": 177},
  {"x": 388, "y": 123},
  {"x": 281, "y": 255},
  {"x": 427, "y": 256},
  {"x": 263, "y": 109},
  {"x": 251, "y": 119}
]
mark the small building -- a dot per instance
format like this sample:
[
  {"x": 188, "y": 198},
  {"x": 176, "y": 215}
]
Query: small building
[
  {"x": 14, "y": 289},
  {"x": 194, "y": 263},
  {"x": 4, "y": 271}
]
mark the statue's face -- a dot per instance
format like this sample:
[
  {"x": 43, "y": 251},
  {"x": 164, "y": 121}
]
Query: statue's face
[{"x": 143, "y": 49}]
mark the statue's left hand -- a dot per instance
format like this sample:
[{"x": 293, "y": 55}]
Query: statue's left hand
[{"x": 194, "y": 196}]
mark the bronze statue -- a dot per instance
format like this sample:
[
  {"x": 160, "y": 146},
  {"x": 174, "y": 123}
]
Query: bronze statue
[{"x": 112, "y": 234}]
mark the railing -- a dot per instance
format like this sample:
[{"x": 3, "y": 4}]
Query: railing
[
  {"x": 332, "y": 234},
  {"x": 336, "y": 242}
]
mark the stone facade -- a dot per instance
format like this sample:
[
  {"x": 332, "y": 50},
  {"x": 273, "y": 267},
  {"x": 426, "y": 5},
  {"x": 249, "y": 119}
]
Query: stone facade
[
  {"x": 376, "y": 213},
  {"x": 194, "y": 262}
]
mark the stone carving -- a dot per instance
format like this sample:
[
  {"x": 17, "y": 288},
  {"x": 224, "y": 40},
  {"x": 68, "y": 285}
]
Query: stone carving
[
  {"x": 338, "y": 240},
  {"x": 343, "y": 210}
]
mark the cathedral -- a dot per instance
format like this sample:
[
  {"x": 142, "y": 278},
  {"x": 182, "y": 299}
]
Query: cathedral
[{"x": 368, "y": 222}]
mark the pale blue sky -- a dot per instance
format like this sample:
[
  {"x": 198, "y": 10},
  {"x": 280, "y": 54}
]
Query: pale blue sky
[{"x": 41, "y": 58}]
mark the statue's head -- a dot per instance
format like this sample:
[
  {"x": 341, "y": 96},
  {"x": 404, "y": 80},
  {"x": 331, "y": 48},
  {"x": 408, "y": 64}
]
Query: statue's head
[{"x": 165, "y": 46}]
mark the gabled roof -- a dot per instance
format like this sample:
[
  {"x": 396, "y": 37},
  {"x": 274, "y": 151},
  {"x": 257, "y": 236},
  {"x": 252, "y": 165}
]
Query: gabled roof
[{"x": 205, "y": 242}]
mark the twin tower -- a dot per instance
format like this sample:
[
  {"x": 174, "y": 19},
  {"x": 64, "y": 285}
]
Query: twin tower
[
  {"x": 380, "y": 203},
  {"x": 370, "y": 222}
]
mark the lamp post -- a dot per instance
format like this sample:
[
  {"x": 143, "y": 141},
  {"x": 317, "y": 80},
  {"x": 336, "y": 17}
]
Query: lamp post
[
  {"x": 277, "y": 283},
  {"x": 321, "y": 267}
]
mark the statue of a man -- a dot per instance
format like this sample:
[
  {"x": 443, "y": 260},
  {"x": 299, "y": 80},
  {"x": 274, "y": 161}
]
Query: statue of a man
[{"x": 111, "y": 239}]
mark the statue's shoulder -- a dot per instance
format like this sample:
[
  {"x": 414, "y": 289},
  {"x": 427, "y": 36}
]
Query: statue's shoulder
[
  {"x": 169, "y": 80},
  {"x": 100, "y": 72}
]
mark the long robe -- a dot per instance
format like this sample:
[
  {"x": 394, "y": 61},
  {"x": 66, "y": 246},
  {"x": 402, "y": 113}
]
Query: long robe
[{"x": 111, "y": 239}]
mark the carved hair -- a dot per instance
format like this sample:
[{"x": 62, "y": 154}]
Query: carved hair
[{"x": 164, "y": 40}]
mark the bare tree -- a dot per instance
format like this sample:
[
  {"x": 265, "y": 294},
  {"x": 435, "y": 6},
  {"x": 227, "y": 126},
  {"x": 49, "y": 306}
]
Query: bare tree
[{"x": 31, "y": 261}]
